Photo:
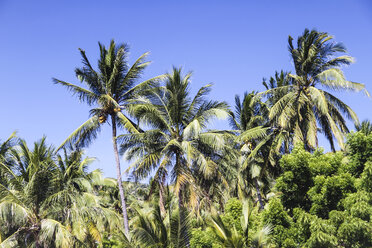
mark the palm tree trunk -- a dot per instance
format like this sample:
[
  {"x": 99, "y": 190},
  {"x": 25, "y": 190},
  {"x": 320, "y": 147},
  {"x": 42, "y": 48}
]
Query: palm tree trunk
[
  {"x": 258, "y": 193},
  {"x": 180, "y": 200},
  {"x": 161, "y": 199},
  {"x": 118, "y": 172}
]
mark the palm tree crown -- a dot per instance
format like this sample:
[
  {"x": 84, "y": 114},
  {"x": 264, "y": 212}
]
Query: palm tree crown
[
  {"x": 305, "y": 107},
  {"x": 108, "y": 89}
]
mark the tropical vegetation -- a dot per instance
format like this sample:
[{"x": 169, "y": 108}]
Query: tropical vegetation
[{"x": 262, "y": 182}]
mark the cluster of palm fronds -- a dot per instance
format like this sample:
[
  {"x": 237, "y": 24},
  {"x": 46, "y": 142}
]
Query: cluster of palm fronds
[
  {"x": 47, "y": 197},
  {"x": 50, "y": 200}
]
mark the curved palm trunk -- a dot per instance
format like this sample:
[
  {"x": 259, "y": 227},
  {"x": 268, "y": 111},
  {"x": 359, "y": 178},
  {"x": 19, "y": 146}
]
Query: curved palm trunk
[
  {"x": 258, "y": 193},
  {"x": 118, "y": 172}
]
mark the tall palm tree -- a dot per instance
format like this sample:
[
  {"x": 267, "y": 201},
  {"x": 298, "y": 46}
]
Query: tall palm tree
[
  {"x": 305, "y": 107},
  {"x": 177, "y": 137},
  {"x": 108, "y": 90}
]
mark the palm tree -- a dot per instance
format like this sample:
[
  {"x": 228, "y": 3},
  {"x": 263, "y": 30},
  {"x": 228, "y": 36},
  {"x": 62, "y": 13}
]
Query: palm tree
[
  {"x": 6, "y": 145},
  {"x": 304, "y": 108},
  {"x": 109, "y": 90},
  {"x": 178, "y": 138},
  {"x": 22, "y": 215},
  {"x": 253, "y": 163},
  {"x": 5, "y": 148},
  {"x": 364, "y": 127},
  {"x": 153, "y": 230},
  {"x": 51, "y": 205},
  {"x": 76, "y": 202},
  {"x": 249, "y": 236},
  {"x": 247, "y": 115}
]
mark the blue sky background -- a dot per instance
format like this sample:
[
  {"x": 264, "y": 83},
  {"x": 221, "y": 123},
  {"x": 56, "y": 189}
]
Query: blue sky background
[{"x": 233, "y": 44}]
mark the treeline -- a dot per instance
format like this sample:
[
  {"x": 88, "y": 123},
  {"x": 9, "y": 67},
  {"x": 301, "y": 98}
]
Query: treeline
[{"x": 264, "y": 183}]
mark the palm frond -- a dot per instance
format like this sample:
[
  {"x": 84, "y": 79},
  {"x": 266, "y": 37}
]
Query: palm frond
[{"x": 84, "y": 134}]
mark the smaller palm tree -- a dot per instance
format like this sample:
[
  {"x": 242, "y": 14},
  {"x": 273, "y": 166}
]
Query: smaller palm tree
[
  {"x": 49, "y": 205},
  {"x": 234, "y": 238},
  {"x": 76, "y": 202},
  {"x": 5, "y": 148},
  {"x": 253, "y": 141},
  {"x": 364, "y": 127},
  {"x": 21, "y": 202},
  {"x": 155, "y": 231}
]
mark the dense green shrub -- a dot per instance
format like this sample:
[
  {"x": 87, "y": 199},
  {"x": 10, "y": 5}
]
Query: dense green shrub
[
  {"x": 355, "y": 233},
  {"x": 366, "y": 177},
  {"x": 296, "y": 179},
  {"x": 326, "y": 198},
  {"x": 233, "y": 213},
  {"x": 203, "y": 238},
  {"x": 359, "y": 151},
  {"x": 328, "y": 191},
  {"x": 324, "y": 201},
  {"x": 283, "y": 231}
]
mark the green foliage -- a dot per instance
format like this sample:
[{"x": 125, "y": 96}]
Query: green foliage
[
  {"x": 325, "y": 164},
  {"x": 328, "y": 191},
  {"x": 359, "y": 151},
  {"x": 275, "y": 215},
  {"x": 366, "y": 177},
  {"x": 359, "y": 205},
  {"x": 335, "y": 191},
  {"x": 355, "y": 233},
  {"x": 233, "y": 213},
  {"x": 296, "y": 179},
  {"x": 203, "y": 238},
  {"x": 322, "y": 234},
  {"x": 219, "y": 180}
]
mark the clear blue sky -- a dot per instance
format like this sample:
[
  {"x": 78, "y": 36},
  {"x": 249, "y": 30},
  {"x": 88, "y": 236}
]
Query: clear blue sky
[{"x": 233, "y": 44}]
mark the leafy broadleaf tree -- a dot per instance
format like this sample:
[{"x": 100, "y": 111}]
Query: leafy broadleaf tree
[{"x": 108, "y": 90}]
